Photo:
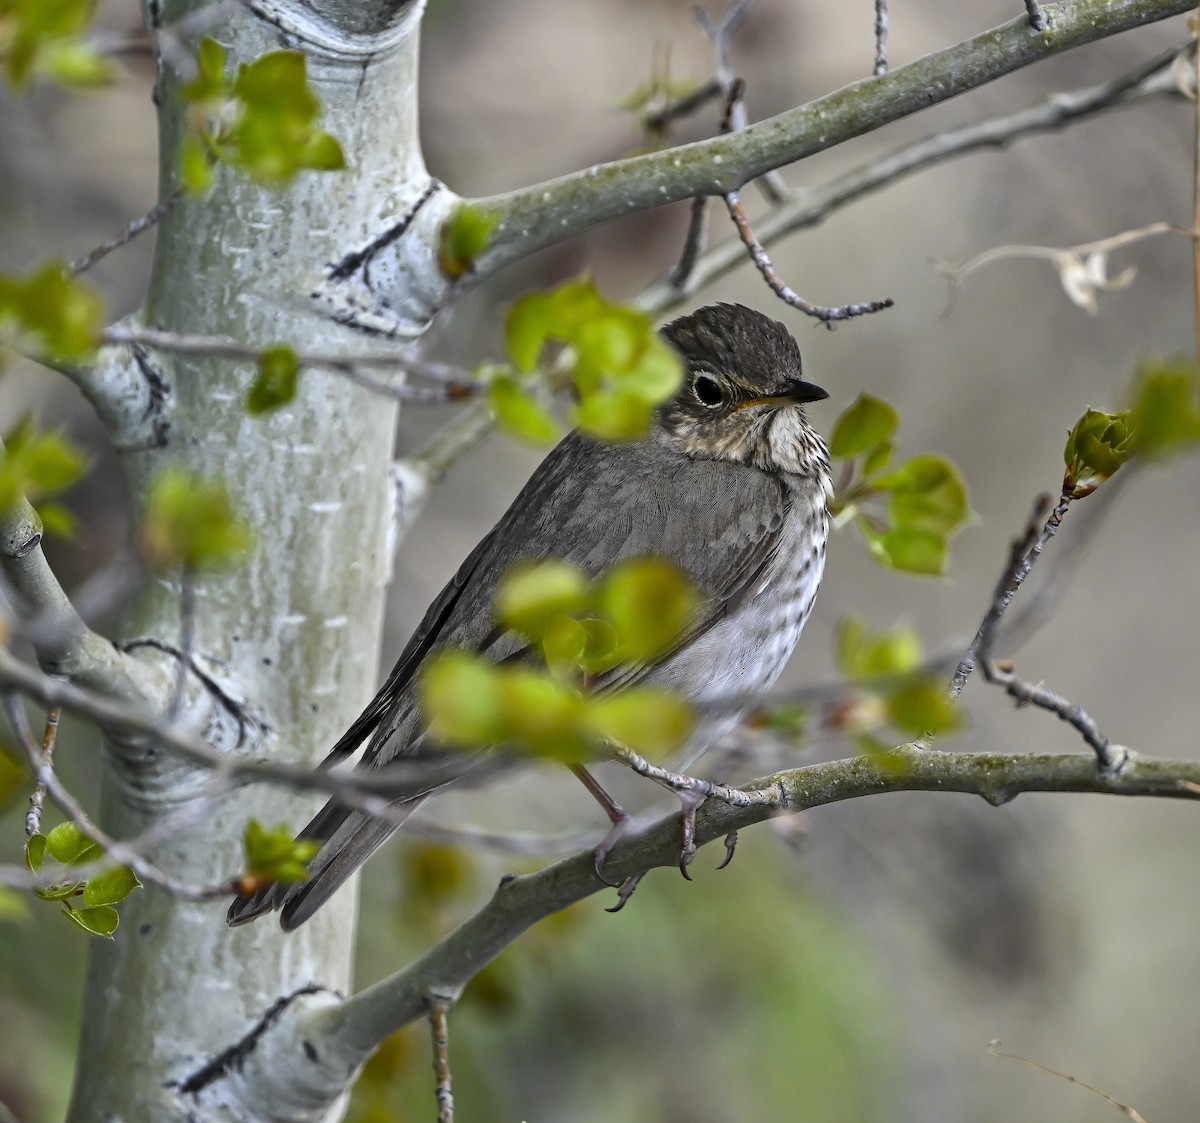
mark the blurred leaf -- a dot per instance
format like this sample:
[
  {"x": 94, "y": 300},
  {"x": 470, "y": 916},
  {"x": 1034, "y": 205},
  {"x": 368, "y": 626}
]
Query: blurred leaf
[
  {"x": 1165, "y": 416},
  {"x": 463, "y": 237},
  {"x": 434, "y": 875},
  {"x": 35, "y": 464},
  {"x": 542, "y": 715},
  {"x": 263, "y": 121},
  {"x": 68, "y": 844},
  {"x": 654, "y": 722},
  {"x": 460, "y": 697},
  {"x": 863, "y": 655},
  {"x": 534, "y": 595},
  {"x": 99, "y": 921},
  {"x": 13, "y": 776},
  {"x": 649, "y": 602},
  {"x": 616, "y": 416},
  {"x": 274, "y": 855},
  {"x": 46, "y": 37},
  {"x": 923, "y": 706},
  {"x": 57, "y": 521},
  {"x": 190, "y": 521},
  {"x": 60, "y": 315},
  {"x": 110, "y": 888},
  {"x": 1096, "y": 448},
  {"x": 12, "y": 905},
  {"x": 863, "y": 427},
  {"x": 520, "y": 412},
  {"x": 622, "y": 369},
  {"x": 880, "y": 752},
  {"x": 275, "y": 385}
]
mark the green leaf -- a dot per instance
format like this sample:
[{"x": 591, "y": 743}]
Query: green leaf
[
  {"x": 99, "y": 921},
  {"x": 1096, "y": 448},
  {"x": 73, "y": 62},
  {"x": 59, "y": 315},
  {"x": 195, "y": 166},
  {"x": 910, "y": 551},
  {"x": 1165, "y": 415},
  {"x": 927, "y": 494},
  {"x": 275, "y": 386},
  {"x": 616, "y": 416},
  {"x": 923, "y": 706},
  {"x": 863, "y": 427},
  {"x": 12, "y": 776},
  {"x": 35, "y": 852},
  {"x": 210, "y": 68},
  {"x": 460, "y": 697},
  {"x": 32, "y": 32},
  {"x": 274, "y": 855},
  {"x": 463, "y": 237},
  {"x": 190, "y": 521},
  {"x": 863, "y": 655},
  {"x": 535, "y": 595},
  {"x": 622, "y": 369},
  {"x": 654, "y": 722},
  {"x": 36, "y": 463},
  {"x": 520, "y": 412},
  {"x": 649, "y": 602},
  {"x": 110, "y": 888},
  {"x": 542, "y": 715},
  {"x": 59, "y": 891},
  {"x": 57, "y": 521},
  {"x": 12, "y": 906},
  {"x": 68, "y": 844}
]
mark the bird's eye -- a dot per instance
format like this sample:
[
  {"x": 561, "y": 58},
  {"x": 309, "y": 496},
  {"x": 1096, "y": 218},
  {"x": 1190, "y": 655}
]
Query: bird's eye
[{"x": 708, "y": 391}]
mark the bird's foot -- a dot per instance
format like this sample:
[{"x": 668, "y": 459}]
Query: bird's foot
[{"x": 693, "y": 793}]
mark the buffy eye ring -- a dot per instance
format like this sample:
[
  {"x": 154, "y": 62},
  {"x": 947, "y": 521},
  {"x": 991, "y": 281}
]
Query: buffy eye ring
[{"x": 707, "y": 391}]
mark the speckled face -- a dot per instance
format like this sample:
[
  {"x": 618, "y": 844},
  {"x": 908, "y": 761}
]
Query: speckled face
[{"x": 743, "y": 393}]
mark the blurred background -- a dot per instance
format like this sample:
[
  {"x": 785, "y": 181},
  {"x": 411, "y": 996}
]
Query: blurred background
[{"x": 853, "y": 962}]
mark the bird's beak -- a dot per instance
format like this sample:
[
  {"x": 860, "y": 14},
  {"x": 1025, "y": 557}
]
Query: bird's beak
[{"x": 797, "y": 393}]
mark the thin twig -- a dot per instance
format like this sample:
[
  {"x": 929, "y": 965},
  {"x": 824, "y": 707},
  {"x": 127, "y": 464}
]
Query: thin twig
[
  {"x": 828, "y": 316},
  {"x": 693, "y": 245},
  {"x": 656, "y": 120},
  {"x": 993, "y": 1047},
  {"x": 881, "y": 37},
  {"x": 119, "y": 853},
  {"x": 1026, "y": 551},
  {"x": 454, "y": 383},
  {"x": 187, "y": 636},
  {"x": 136, "y": 227},
  {"x": 1037, "y": 17},
  {"x": 440, "y": 1030},
  {"x": 37, "y": 800}
]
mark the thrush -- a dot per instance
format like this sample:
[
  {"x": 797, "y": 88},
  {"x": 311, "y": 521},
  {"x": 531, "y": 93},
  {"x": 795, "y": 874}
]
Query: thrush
[{"x": 730, "y": 485}]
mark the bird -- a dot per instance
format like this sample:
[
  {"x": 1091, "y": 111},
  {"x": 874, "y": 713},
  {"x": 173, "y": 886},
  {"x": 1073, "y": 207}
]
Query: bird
[{"x": 731, "y": 485}]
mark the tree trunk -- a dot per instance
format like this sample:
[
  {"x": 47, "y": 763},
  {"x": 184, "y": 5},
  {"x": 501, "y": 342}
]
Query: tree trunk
[{"x": 295, "y": 632}]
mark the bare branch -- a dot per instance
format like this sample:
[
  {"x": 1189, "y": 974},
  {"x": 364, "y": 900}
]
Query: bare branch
[
  {"x": 545, "y": 213},
  {"x": 136, "y": 227},
  {"x": 881, "y": 37},
  {"x": 352, "y": 1028}
]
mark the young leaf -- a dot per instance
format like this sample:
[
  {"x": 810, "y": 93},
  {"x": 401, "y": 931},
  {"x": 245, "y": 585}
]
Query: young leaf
[
  {"x": 35, "y": 852},
  {"x": 460, "y": 697},
  {"x": 463, "y": 237},
  {"x": 542, "y": 714},
  {"x": 1165, "y": 416},
  {"x": 60, "y": 315},
  {"x": 535, "y": 595},
  {"x": 1096, "y": 448},
  {"x": 863, "y": 427},
  {"x": 190, "y": 521},
  {"x": 649, "y": 602},
  {"x": 99, "y": 921},
  {"x": 274, "y": 855},
  {"x": 927, "y": 494},
  {"x": 275, "y": 385},
  {"x": 110, "y": 888},
  {"x": 655, "y": 722},
  {"x": 521, "y": 413},
  {"x": 923, "y": 706},
  {"x": 66, "y": 843}
]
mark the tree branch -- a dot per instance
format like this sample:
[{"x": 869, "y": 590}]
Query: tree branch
[
  {"x": 535, "y": 217},
  {"x": 352, "y": 1029}
]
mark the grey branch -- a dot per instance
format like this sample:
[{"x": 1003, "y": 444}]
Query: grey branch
[
  {"x": 534, "y": 217},
  {"x": 351, "y": 1029}
]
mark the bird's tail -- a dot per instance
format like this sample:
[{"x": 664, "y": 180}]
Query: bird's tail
[{"x": 348, "y": 839}]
